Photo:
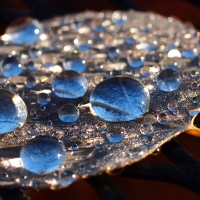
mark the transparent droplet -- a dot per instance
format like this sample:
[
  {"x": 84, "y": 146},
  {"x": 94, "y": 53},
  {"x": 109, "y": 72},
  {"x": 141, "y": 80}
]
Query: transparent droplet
[
  {"x": 113, "y": 52},
  {"x": 120, "y": 99},
  {"x": 169, "y": 63},
  {"x": 135, "y": 59},
  {"x": 49, "y": 59},
  {"x": 30, "y": 66},
  {"x": 168, "y": 80},
  {"x": 147, "y": 46},
  {"x": 11, "y": 67},
  {"x": 145, "y": 71},
  {"x": 42, "y": 108},
  {"x": 190, "y": 54},
  {"x": 146, "y": 129},
  {"x": 13, "y": 111},
  {"x": 82, "y": 42},
  {"x": 119, "y": 18},
  {"x": 114, "y": 133},
  {"x": 162, "y": 118},
  {"x": 42, "y": 155},
  {"x": 69, "y": 113},
  {"x": 174, "y": 53},
  {"x": 149, "y": 119},
  {"x": 13, "y": 88},
  {"x": 43, "y": 98},
  {"x": 176, "y": 111},
  {"x": 24, "y": 31},
  {"x": 171, "y": 105},
  {"x": 30, "y": 82},
  {"x": 195, "y": 99},
  {"x": 77, "y": 65},
  {"x": 69, "y": 84},
  {"x": 101, "y": 126}
]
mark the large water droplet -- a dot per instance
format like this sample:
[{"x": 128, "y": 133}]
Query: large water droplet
[
  {"x": 13, "y": 111},
  {"x": 168, "y": 80},
  {"x": 77, "y": 65},
  {"x": 43, "y": 98},
  {"x": 42, "y": 155},
  {"x": 23, "y": 31},
  {"x": 69, "y": 113},
  {"x": 69, "y": 84},
  {"x": 11, "y": 67},
  {"x": 115, "y": 133},
  {"x": 120, "y": 99}
]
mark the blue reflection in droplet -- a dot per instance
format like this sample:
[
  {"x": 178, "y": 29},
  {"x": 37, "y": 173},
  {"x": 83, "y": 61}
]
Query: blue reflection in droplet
[
  {"x": 120, "y": 99},
  {"x": 69, "y": 84},
  {"x": 168, "y": 80},
  {"x": 24, "y": 31},
  {"x": 42, "y": 155},
  {"x": 188, "y": 54},
  {"x": 77, "y": 65},
  {"x": 11, "y": 67}
]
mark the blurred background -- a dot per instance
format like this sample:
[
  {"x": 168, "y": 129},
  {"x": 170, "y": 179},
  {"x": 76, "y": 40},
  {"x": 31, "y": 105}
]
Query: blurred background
[{"x": 185, "y": 10}]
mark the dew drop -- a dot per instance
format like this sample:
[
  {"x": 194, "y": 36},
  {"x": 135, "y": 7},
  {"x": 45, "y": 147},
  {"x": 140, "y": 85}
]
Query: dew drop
[
  {"x": 113, "y": 52},
  {"x": 120, "y": 99},
  {"x": 69, "y": 84},
  {"x": 43, "y": 98},
  {"x": 188, "y": 54},
  {"x": 69, "y": 113},
  {"x": 101, "y": 126},
  {"x": 168, "y": 80},
  {"x": 30, "y": 66},
  {"x": 13, "y": 111},
  {"x": 77, "y": 65},
  {"x": 42, "y": 108},
  {"x": 146, "y": 129},
  {"x": 42, "y": 155},
  {"x": 171, "y": 105},
  {"x": 114, "y": 133},
  {"x": 135, "y": 59},
  {"x": 13, "y": 88},
  {"x": 162, "y": 118},
  {"x": 11, "y": 67},
  {"x": 31, "y": 82},
  {"x": 24, "y": 31}
]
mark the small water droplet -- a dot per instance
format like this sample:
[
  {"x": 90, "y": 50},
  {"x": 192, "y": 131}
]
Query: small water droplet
[
  {"x": 42, "y": 155},
  {"x": 150, "y": 119},
  {"x": 13, "y": 111},
  {"x": 162, "y": 118},
  {"x": 11, "y": 67},
  {"x": 69, "y": 113},
  {"x": 195, "y": 99},
  {"x": 168, "y": 80},
  {"x": 69, "y": 84},
  {"x": 146, "y": 129},
  {"x": 171, "y": 105},
  {"x": 175, "y": 111},
  {"x": 77, "y": 65},
  {"x": 135, "y": 59},
  {"x": 114, "y": 133},
  {"x": 120, "y": 99},
  {"x": 43, "y": 98},
  {"x": 174, "y": 53},
  {"x": 190, "y": 54},
  {"x": 31, "y": 82},
  {"x": 42, "y": 108},
  {"x": 101, "y": 126},
  {"x": 30, "y": 66},
  {"x": 113, "y": 52},
  {"x": 13, "y": 88}
]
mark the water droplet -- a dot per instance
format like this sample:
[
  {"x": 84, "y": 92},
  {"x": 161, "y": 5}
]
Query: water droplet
[
  {"x": 69, "y": 113},
  {"x": 31, "y": 82},
  {"x": 162, "y": 118},
  {"x": 147, "y": 46},
  {"x": 114, "y": 133},
  {"x": 42, "y": 108},
  {"x": 171, "y": 105},
  {"x": 145, "y": 71},
  {"x": 43, "y": 98},
  {"x": 42, "y": 155},
  {"x": 101, "y": 126},
  {"x": 13, "y": 111},
  {"x": 174, "y": 53},
  {"x": 30, "y": 66},
  {"x": 168, "y": 80},
  {"x": 13, "y": 88},
  {"x": 119, "y": 18},
  {"x": 11, "y": 67},
  {"x": 49, "y": 59},
  {"x": 188, "y": 54},
  {"x": 195, "y": 99},
  {"x": 175, "y": 111},
  {"x": 82, "y": 42},
  {"x": 69, "y": 84},
  {"x": 193, "y": 112},
  {"x": 146, "y": 129},
  {"x": 113, "y": 52},
  {"x": 135, "y": 59},
  {"x": 149, "y": 119},
  {"x": 120, "y": 99},
  {"x": 24, "y": 31},
  {"x": 77, "y": 65}
]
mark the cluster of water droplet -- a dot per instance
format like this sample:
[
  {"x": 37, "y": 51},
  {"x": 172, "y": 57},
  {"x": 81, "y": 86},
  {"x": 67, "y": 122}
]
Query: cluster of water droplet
[{"x": 106, "y": 87}]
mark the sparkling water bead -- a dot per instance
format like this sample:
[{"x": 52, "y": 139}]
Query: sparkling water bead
[
  {"x": 120, "y": 99},
  {"x": 168, "y": 80},
  {"x": 23, "y": 31},
  {"x": 11, "y": 67},
  {"x": 114, "y": 133},
  {"x": 42, "y": 155},
  {"x": 69, "y": 113},
  {"x": 69, "y": 84},
  {"x": 43, "y": 98},
  {"x": 13, "y": 111},
  {"x": 77, "y": 65}
]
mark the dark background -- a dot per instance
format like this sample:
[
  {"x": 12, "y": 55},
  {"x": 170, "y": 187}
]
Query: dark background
[{"x": 135, "y": 189}]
